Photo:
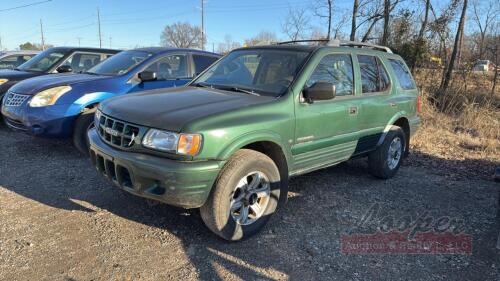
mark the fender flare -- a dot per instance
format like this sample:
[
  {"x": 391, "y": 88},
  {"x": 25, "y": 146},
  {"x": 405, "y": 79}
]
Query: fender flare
[{"x": 397, "y": 116}]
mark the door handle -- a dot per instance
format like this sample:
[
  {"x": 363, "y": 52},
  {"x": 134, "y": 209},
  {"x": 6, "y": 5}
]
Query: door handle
[
  {"x": 393, "y": 104},
  {"x": 353, "y": 110}
]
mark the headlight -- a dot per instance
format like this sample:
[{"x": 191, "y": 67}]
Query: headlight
[
  {"x": 49, "y": 96},
  {"x": 3, "y": 81},
  {"x": 186, "y": 144}
]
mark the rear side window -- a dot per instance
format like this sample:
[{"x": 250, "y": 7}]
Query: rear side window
[
  {"x": 403, "y": 74},
  {"x": 337, "y": 70},
  {"x": 202, "y": 62},
  {"x": 374, "y": 77}
]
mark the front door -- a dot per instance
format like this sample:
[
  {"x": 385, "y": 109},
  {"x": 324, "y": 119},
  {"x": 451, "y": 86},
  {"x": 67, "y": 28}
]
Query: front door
[
  {"x": 326, "y": 131},
  {"x": 171, "y": 71}
]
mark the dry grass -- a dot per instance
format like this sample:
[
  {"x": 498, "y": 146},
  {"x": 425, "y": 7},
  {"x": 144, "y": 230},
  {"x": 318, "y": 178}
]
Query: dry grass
[{"x": 460, "y": 135}]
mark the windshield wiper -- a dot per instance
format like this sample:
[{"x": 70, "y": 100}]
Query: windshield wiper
[
  {"x": 203, "y": 85},
  {"x": 237, "y": 89}
]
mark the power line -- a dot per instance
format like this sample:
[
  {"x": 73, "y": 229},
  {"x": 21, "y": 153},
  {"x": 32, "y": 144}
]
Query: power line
[{"x": 24, "y": 6}]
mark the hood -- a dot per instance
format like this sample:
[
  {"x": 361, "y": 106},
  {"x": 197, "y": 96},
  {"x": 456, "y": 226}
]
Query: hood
[
  {"x": 37, "y": 84},
  {"x": 15, "y": 75},
  {"x": 171, "y": 109}
]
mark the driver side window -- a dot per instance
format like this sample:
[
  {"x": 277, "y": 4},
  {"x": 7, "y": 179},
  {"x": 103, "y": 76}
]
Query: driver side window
[
  {"x": 170, "y": 67},
  {"x": 337, "y": 70}
]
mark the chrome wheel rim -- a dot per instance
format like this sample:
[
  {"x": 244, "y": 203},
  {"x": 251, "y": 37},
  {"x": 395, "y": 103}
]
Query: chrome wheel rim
[
  {"x": 250, "y": 198},
  {"x": 395, "y": 152}
]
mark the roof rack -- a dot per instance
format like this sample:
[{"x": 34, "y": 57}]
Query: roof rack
[{"x": 341, "y": 43}]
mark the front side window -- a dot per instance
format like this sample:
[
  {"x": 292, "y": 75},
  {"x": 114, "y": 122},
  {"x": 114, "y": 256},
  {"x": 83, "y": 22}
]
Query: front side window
[
  {"x": 337, "y": 70},
  {"x": 120, "y": 63},
  {"x": 170, "y": 67},
  {"x": 201, "y": 62},
  {"x": 262, "y": 71},
  {"x": 374, "y": 77},
  {"x": 43, "y": 61},
  {"x": 403, "y": 74},
  {"x": 82, "y": 62}
]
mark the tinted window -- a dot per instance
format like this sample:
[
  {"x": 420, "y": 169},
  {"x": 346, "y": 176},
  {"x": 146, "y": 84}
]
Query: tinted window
[
  {"x": 120, "y": 63},
  {"x": 202, "y": 62},
  {"x": 43, "y": 61},
  {"x": 264, "y": 71},
  {"x": 403, "y": 74},
  {"x": 335, "y": 69},
  {"x": 14, "y": 61},
  {"x": 374, "y": 77},
  {"x": 170, "y": 67},
  {"x": 82, "y": 62}
]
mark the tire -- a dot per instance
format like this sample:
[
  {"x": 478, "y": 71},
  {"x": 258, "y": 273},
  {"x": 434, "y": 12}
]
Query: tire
[
  {"x": 83, "y": 123},
  {"x": 379, "y": 163},
  {"x": 221, "y": 213}
]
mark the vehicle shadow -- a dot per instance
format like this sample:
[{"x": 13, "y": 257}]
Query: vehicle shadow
[{"x": 53, "y": 173}]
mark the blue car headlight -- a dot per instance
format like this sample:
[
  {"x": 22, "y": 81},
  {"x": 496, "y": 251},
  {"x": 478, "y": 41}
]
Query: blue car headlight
[{"x": 49, "y": 96}]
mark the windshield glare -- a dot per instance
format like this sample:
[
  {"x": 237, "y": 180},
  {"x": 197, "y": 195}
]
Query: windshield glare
[
  {"x": 120, "y": 63},
  {"x": 43, "y": 61},
  {"x": 264, "y": 71}
]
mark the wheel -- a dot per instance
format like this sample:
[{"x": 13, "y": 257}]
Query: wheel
[
  {"x": 83, "y": 123},
  {"x": 385, "y": 161},
  {"x": 244, "y": 196}
]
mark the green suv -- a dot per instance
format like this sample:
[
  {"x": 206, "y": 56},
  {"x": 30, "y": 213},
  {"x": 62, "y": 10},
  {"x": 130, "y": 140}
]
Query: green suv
[{"x": 228, "y": 142}]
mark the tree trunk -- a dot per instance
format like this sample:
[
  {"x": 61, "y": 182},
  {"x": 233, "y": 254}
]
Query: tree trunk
[
  {"x": 385, "y": 35},
  {"x": 449, "y": 69},
  {"x": 367, "y": 34},
  {"x": 420, "y": 38},
  {"x": 495, "y": 78},
  {"x": 354, "y": 16}
]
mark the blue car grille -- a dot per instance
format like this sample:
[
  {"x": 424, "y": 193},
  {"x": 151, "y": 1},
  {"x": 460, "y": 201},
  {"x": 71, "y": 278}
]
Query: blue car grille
[
  {"x": 13, "y": 99},
  {"x": 116, "y": 132}
]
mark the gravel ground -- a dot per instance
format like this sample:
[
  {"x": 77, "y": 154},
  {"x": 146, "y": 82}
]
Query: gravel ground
[{"x": 59, "y": 220}]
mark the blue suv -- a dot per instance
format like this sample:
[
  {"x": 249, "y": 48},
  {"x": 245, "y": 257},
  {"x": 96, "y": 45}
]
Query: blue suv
[{"x": 63, "y": 106}]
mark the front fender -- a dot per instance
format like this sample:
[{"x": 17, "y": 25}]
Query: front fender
[
  {"x": 252, "y": 137},
  {"x": 88, "y": 99}
]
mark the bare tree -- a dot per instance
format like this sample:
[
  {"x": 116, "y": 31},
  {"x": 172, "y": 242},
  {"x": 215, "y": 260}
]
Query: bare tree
[
  {"x": 420, "y": 39},
  {"x": 449, "y": 69},
  {"x": 355, "y": 8},
  {"x": 324, "y": 9},
  {"x": 387, "y": 14},
  {"x": 489, "y": 14},
  {"x": 228, "y": 45},
  {"x": 296, "y": 23},
  {"x": 264, "y": 37},
  {"x": 371, "y": 12},
  {"x": 181, "y": 35}
]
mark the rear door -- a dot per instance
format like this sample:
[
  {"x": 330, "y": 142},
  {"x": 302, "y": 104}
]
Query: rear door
[{"x": 326, "y": 131}]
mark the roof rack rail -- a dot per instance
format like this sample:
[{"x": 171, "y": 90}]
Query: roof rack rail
[{"x": 341, "y": 43}]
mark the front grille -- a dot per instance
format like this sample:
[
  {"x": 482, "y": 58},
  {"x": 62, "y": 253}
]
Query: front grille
[
  {"x": 13, "y": 99},
  {"x": 116, "y": 132}
]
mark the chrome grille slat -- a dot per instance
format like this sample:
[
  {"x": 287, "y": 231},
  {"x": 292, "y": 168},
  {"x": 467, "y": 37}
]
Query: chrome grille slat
[
  {"x": 13, "y": 99},
  {"x": 116, "y": 132}
]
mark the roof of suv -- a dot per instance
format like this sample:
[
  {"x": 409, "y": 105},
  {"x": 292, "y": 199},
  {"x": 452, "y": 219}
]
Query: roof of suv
[{"x": 85, "y": 49}]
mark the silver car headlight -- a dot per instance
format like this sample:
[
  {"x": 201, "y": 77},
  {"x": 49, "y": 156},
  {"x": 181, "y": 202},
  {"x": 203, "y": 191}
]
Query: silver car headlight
[
  {"x": 49, "y": 96},
  {"x": 3, "y": 81},
  {"x": 185, "y": 144}
]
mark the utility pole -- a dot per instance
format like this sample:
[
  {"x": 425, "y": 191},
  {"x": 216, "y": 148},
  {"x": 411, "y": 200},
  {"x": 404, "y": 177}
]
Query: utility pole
[
  {"x": 202, "y": 25},
  {"x": 99, "y": 25},
  {"x": 110, "y": 42},
  {"x": 79, "y": 38},
  {"x": 41, "y": 31}
]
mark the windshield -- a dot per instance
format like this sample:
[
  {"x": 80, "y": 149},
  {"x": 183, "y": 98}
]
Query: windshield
[
  {"x": 43, "y": 61},
  {"x": 262, "y": 71},
  {"x": 120, "y": 63}
]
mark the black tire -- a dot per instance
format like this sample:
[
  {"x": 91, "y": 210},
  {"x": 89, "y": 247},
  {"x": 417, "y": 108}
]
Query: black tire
[
  {"x": 216, "y": 212},
  {"x": 378, "y": 160},
  {"x": 83, "y": 123}
]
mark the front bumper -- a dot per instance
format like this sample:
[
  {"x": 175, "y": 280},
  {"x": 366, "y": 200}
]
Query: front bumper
[
  {"x": 50, "y": 121},
  {"x": 185, "y": 184}
]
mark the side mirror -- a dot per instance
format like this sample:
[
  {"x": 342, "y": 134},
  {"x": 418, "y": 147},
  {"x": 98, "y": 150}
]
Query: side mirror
[
  {"x": 319, "y": 91},
  {"x": 64, "y": 69},
  {"x": 147, "y": 76}
]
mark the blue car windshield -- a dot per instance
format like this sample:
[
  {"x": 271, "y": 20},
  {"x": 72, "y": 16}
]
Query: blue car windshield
[
  {"x": 43, "y": 61},
  {"x": 266, "y": 72},
  {"x": 120, "y": 63}
]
